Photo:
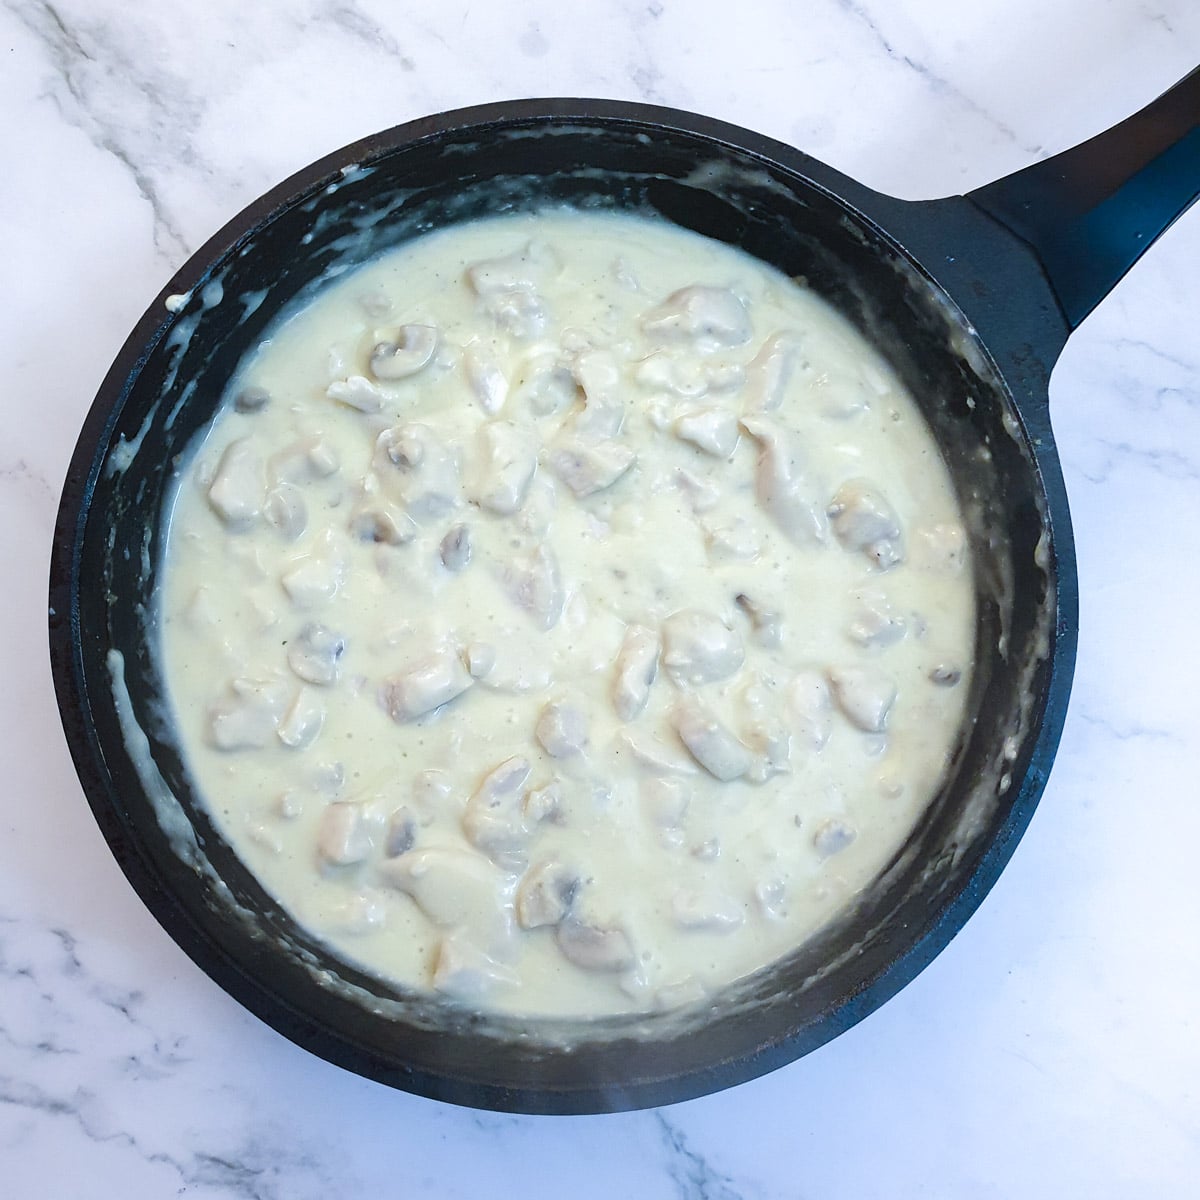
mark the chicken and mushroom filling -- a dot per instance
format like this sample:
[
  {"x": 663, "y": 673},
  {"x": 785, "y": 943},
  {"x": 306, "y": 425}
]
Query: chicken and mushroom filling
[{"x": 567, "y": 614}]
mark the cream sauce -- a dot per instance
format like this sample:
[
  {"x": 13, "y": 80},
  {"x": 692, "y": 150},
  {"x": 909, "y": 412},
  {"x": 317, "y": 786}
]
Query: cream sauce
[{"x": 566, "y": 613}]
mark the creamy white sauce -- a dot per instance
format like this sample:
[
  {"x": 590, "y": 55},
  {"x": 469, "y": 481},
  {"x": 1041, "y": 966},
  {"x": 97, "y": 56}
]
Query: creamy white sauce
[{"x": 566, "y": 613}]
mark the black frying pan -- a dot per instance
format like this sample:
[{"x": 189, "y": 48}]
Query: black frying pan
[{"x": 971, "y": 298}]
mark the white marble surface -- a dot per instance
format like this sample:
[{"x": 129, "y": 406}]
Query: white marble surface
[{"x": 1053, "y": 1049}]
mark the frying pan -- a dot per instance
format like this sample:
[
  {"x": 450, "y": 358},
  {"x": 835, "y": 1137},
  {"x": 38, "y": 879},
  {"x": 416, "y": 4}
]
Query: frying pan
[{"x": 971, "y": 298}]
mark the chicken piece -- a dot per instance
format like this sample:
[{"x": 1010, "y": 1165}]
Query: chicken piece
[
  {"x": 713, "y": 430},
  {"x": 494, "y": 819},
  {"x": 717, "y": 913},
  {"x": 303, "y": 720},
  {"x": 357, "y": 392},
  {"x": 507, "y": 460},
  {"x": 343, "y": 836},
  {"x": 603, "y": 413},
  {"x": 465, "y": 972},
  {"x": 864, "y": 696},
  {"x": 736, "y": 539},
  {"x": 709, "y": 742},
  {"x": 562, "y": 729},
  {"x": 487, "y": 380},
  {"x": 534, "y": 584},
  {"x": 637, "y": 668},
  {"x": 651, "y": 753},
  {"x": 832, "y": 836},
  {"x": 453, "y": 888},
  {"x": 588, "y": 469},
  {"x": 810, "y": 709},
  {"x": 425, "y": 685},
  {"x": 285, "y": 509},
  {"x": 304, "y": 461},
  {"x": 238, "y": 489},
  {"x": 874, "y": 625},
  {"x": 525, "y": 270},
  {"x": 769, "y": 373},
  {"x": 698, "y": 648},
  {"x": 783, "y": 489},
  {"x": 247, "y": 717},
  {"x": 863, "y": 520},
  {"x": 702, "y": 314},
  {"x": 545, "y": 386}
]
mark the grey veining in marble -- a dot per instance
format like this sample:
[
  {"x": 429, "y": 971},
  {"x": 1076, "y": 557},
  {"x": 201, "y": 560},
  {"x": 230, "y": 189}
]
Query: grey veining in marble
[{"x": 1052, "y": 1050}]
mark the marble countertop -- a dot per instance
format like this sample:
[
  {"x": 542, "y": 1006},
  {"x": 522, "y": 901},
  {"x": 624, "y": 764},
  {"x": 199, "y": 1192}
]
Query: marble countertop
[{"x": 1053, "y": 1049}]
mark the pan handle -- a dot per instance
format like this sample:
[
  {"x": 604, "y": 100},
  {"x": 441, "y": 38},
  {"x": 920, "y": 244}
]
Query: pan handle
[{"x": 1091, "y": 212}]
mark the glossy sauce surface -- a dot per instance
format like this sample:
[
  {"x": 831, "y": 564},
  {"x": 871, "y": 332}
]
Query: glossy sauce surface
[{"x": 566, "y": 613}]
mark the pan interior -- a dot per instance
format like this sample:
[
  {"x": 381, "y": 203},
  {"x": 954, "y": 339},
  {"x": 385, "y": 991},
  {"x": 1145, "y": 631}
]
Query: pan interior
[{"x": 191, "y": 878}]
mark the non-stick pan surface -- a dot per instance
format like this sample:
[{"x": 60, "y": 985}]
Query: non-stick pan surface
[{"x": 966, "y": 297}]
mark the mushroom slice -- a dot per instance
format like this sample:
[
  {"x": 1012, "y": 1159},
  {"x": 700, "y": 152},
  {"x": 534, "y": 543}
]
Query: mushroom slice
[
  {"x": 252, "y": 399},
  {"x": 637, "y": 668},
  {"x": 506, "y": 467},
  {"x": 863, "y": 520},
  {"x": 864, "y": 696},
  {"x": 700, "y": 313},
  {"x": 710, "y": 743},
  {"x": 766, "y": 622},
  {"x": 455, "y": 550},
  {"x": 314, "y": 654},
  {"x": 494, "y": 820},
  {"x": 594, "y": 948},
  {"x": 781, "y": 485},
  {"x": 384, "y": 523},
  {"x": 401, "y": 832},
  {"x": 425, "y": 685},
  {"x": 545, "y": 894},
  {"x": 411, "y": 352},
  {"x": 418, "y": 470},
  {"x": 699, "y": 648}
]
